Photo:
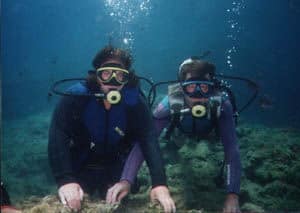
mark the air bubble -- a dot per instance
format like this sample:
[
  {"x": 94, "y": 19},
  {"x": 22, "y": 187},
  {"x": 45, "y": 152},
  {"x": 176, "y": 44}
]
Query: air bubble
[{"x": 125, "y": 41}]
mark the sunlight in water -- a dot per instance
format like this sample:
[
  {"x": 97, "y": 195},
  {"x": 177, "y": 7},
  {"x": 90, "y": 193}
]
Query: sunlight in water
[{"x": 125, "y": 13}]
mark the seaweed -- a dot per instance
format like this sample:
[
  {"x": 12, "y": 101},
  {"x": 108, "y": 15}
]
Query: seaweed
[{"x": 270, "y": 179}]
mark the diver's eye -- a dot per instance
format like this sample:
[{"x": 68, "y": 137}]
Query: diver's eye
[
  {"x": 190, "y": 88},
  {"x": 105, "y": 74},
  {"x": 204, "y": 88},
  {"x": 120, "y": 75}
]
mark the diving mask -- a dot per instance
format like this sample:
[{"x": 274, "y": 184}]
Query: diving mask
[
  {"x": 197, "y": 89},
  {"x": 112, "y": 73}
]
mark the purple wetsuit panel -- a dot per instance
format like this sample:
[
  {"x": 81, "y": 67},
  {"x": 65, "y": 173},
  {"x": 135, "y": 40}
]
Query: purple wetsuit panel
[
  {"x": 133, "y": 164},
  {"x": 135, "y": 157},
  {"x": 228, "y": 137},
  {"x": 161, "y": 115}
]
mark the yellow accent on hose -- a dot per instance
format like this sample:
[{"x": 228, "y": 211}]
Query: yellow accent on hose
[
  {"x": 198, "y": 111},
  {"x": 113, "y": 97}
]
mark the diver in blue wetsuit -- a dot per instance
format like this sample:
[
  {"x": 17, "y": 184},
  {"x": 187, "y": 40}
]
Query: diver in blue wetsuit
[
  {"x": 193, "y": 108},
  {"x": 90, "y": 138}
]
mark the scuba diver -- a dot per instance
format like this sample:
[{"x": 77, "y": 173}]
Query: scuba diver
[
  {"x": 6, "y": 206},
  {"x": 95, "y": 127},
  {"x": 196, "y": 104}
]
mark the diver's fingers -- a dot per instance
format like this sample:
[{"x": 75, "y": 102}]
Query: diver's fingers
[
  {"x": 122, "y": 195},
  {"x": 62, "y": 198},
  {"x": 74, "y": 204},
  {"x": 231, "y": 209},
  {"x": 169, "y": 206},
  {"x": 115, "y": 193},
  {"x": 81, "y": 193},
  {"x": 173, "y": 206},
  {"x": 9, "y": 209},
  {"x": 165, "y": 207},
  {"x": 69, "y": 195},
  {"x": 109, "y": 194},
  {"x": 163, "y": 203},
  {"x": 73, "y": 199}
]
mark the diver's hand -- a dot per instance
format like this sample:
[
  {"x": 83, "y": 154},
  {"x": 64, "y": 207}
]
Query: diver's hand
[
  {"x": 117, "y": 192},
  {"x": 161, "y": 194},
  {"x": 71, "y": 195},
  {"x": 9, "y": 209},
  {"x": 231, "y": 204}
]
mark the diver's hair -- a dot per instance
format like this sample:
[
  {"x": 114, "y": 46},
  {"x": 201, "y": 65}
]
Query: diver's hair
[
  {"x": 110, "y": 52},
  {"x": 197, "y": 68},
  {"x": 91, "y": 81}
]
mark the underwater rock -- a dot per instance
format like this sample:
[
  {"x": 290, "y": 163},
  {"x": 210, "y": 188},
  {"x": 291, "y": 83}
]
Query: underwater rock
[
  {"x": 252, "y": 208},
  {"x": 280, "y": 195},
  {"x": 52, "y": 204},
  {"x": 243, "y": 131},
  {"x": 250, "y": 191},
  {"x": 270, "y": 159},
  {"x": 136, "y": 203},
  {"x": 195, "y": 150},
  {"x": 293, "y": 174}
]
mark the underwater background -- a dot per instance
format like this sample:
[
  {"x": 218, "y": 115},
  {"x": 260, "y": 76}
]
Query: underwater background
[{"x": 49, "y": 40}]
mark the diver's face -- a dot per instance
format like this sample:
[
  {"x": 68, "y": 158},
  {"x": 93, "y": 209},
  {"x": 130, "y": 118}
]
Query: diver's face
[
  {"x": 107, "y": 87},
  {"x": 191, "y": 101}
]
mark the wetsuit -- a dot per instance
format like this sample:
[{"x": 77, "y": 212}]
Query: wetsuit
[
  {"x": 226, "y": 126},
  {"x": 5, "y": 201},
  {"x": 89, "y": 144}
]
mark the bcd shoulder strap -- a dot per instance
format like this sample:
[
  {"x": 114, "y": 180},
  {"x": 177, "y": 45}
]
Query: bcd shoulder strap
[{"x": 176, "y": 100}]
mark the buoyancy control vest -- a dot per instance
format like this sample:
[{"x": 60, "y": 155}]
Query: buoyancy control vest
[
  {"x": 182, "y": 119},
  {"x": 98, "y": 132}
]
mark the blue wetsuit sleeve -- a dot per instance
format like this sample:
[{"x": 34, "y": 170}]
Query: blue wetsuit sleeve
[
  {"x": 228, "y": 136},
  {"x": 144, "y": 132},
  {"x": 59, "y": 142}
]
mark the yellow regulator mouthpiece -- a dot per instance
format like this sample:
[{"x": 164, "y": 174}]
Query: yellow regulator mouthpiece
[
  {"x": 198, "y": 111},
  {"x": 113, "y": 97}
]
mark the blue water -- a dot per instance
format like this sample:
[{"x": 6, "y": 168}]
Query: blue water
[
  {"x": 44, "y": 41},
  {"x": 48, "y": 40}
]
